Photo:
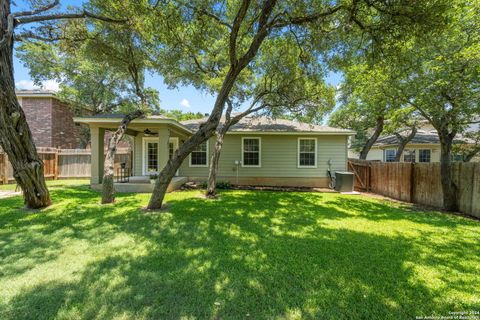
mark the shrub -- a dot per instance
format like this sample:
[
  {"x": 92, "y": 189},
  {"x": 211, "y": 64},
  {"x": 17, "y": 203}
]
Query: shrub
[{"x": 224, "y": 185}]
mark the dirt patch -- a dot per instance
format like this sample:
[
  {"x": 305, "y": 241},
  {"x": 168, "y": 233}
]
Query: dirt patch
[{"x": 163, "y": 209}]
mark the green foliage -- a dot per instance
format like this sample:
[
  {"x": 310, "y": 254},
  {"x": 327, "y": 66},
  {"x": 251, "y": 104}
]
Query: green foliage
[
  {"x": 250, "y": 254},
  {"x": 181, "y": 115},
  {"x": 441, "y": 80},
  {"x": 221, "y": 185},
  {"x": 98, "y": 65},
  {"x": 469, "y": 147}
]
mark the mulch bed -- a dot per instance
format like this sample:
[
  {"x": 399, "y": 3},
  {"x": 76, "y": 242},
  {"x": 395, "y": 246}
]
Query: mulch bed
[{"x": 196, "y": 186}]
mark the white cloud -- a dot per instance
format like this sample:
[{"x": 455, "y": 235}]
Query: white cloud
[
  {"x": 29, "y": 85},
  {"x": 185, "y": 103}
]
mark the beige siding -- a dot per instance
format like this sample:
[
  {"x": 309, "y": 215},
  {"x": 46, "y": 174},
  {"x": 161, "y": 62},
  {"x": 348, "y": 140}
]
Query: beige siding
[
  {"x": 279, "y": 157},
  {"x": 377, "y": 153}
]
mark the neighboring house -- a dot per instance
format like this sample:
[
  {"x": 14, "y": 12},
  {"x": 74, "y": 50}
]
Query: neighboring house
[
  {"x": 50, "y": 120},
  {"x": 256, "y": 151},
  {"x": 424, "y": 147}
]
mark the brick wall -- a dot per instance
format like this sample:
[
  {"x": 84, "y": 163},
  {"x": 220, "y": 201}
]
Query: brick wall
[
  {"x": 65, "y": 134},
  {"x": 38, "y": 112},
  {"x": 51, "y": 122}
]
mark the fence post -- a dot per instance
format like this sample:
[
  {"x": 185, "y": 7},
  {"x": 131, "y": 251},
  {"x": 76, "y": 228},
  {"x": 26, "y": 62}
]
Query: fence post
[
  {"x": 55, "y": 173},
  {"x": 369, "y": 176},
  {"x": 412, "y": 182}
]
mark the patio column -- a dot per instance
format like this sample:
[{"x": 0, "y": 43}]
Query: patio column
[
  {"x": 97, "y": 137},
  {"x": 163, "y": 139}
]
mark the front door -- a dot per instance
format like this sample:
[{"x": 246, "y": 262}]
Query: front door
[
  {"x": 151, "y": 158},
  {"x": 151, "y": 154}
]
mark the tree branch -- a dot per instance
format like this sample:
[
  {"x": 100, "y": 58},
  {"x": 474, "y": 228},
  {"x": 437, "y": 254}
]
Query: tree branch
[
  {"x": 37, "y": 11},
  {"x": 30, "y": 35},
  {"x": 60, "y": 16},
  {"x": 237, "y": 22},
  {"x": 262, "y": 32},
  {"x": 208, "y": 14},
  {"x": 305, "y": 19}
]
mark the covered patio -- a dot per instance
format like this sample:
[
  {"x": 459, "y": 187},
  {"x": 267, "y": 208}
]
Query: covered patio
[{"x": 155, "y": 139}]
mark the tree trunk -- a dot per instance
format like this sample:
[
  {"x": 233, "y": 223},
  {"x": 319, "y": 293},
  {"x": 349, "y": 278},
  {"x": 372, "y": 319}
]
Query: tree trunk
[
  {"x": 469, "y": 156},
  {"x": 402, "y": 143},
  {"x": 368, "y": 145},
  {"x": 15, "y": 136},
  {"x": 448, "y": 187},
  {"x": 205, "y": 131},
  {"x": 108, "y": 190},
  {"x": 212, "y": 174}
]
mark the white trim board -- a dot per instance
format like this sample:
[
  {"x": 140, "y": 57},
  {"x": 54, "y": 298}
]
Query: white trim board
[
  {"x": 298, "y": 153},
  {"x": 200, "y": 165},
  {"x": 259, "y": 153}
]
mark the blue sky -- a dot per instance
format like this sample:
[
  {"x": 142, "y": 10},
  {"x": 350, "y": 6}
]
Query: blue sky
[{"x": 184, "y": 98}]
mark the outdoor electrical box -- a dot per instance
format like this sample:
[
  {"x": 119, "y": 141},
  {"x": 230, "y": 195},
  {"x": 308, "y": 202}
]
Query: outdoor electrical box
[{"x": 344, "y": 181}]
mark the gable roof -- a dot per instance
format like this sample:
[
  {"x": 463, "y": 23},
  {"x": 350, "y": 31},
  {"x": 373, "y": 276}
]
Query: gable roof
[
  {"x": 420, "y": 138},
  {"x": 269, "y": 125}
]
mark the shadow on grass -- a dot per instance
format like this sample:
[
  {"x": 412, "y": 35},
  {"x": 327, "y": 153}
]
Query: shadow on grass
[{"x": 248, "y": 255}]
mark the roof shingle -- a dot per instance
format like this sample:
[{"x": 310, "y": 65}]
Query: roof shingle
[{"x": 265, "y": 124}]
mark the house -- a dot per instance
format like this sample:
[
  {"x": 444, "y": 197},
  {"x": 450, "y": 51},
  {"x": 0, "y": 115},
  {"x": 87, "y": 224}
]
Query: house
[
  {"x": 424, "y": 147},
  {"x": 256, "y": 151},
  {"x": 50, "y": 119}
]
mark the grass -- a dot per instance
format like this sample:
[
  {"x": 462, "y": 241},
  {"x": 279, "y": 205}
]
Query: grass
[
  {"x": 50, "y": 183},
  {"x": 248, "y": 255}
]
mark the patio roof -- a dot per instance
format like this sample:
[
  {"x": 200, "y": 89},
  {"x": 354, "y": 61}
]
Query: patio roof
[{"x": 114, "y": 119}]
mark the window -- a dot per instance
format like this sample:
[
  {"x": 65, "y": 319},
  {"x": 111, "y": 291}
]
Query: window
[
  {"x": 409, "y": 156},
  {"x": 424, "y": 155},
  {"x": 307, "y": 152},
  {"x": 390, "y": 155},
  {"x": 251, "y": 152},
  {"x": 457, "y": 157},
  {"x": 199, "y": 156},
  {"x": 152, "y": 157}
]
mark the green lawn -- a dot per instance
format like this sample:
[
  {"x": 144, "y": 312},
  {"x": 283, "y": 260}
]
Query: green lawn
[{"x": 249, "y": 255}]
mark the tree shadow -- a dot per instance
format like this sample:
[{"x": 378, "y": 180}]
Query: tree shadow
[{"x": 377, "y": 210}]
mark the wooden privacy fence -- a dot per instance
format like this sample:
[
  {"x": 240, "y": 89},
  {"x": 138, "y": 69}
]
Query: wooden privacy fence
[
  {"x": 419, "y": 182},
  {"x": 64, "y": 163}
]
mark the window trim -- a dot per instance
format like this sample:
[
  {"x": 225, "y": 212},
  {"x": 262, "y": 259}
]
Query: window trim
[
  {"x": 385, "y": 154},
  {"x": 431, "y": 151},
  {"x": 200, "y": 165},
  {"x": 298, "y": 153},
  {"x": 145, "y": 141},
  {"x": 259, "y": 153}
]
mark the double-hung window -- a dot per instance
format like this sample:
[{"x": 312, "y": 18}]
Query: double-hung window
[
  {"x": 199, "y": 156},
  {"x": 424, "y": 155},
  {"x": 390, "y": 155},
  {"x": 251, "y": 152},
  {"x": 307, "y": 152}
]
